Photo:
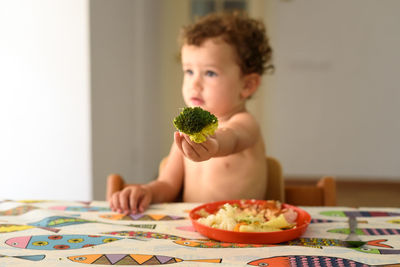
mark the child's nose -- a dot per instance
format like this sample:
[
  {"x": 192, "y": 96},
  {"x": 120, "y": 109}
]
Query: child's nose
[{"x": 197, "y": 83}]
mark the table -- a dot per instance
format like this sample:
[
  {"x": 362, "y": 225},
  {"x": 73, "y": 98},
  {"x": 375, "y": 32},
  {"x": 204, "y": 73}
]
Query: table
[{"x": 65, "y": 233}]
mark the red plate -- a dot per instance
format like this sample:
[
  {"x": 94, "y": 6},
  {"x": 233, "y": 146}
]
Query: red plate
[{"x": 303, "y": 220}]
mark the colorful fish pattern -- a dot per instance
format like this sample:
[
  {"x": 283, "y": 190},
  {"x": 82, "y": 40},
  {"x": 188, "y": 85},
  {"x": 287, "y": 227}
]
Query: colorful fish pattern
[
  {"x": 141, "y": 217},
  {"x": 146, "y": 226},
  {"x": 132, "y": 259},
  {"x": 59, "y": 221},
  {"x": 321, "y": 221},
  {"x": 310, "y": 261},
  {"x": 306, "y": 242},
  {"x": 27, "y": 257},
  {"x": 329, "y": 242},
  {"x": 32, "y": 201},
  {"x": 158, "y": 237},
  {"x": 8, "y": 228},
  {"x": 145, "y": 235},
  {"x": 18, "y": 210},
  {"x": 331, "y": 221},
  {"x": 59, "y": 242},
  {"x": 367, "y": 231},
  {"x": 356, "y": 213},
  {"x": 216, "y": 244},
  {"x": 81, "y": 209},
  {"x": 378, "y": 251}
]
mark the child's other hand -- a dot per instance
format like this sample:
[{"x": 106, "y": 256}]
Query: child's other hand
[
  {"x": 131, "y": 200},
  {"x": 196, "y": 151}
]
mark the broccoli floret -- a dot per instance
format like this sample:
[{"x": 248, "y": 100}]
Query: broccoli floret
[{"x": 196, "y": 123}]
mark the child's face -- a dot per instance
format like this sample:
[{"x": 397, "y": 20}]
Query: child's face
[{"x": 212, "y": 78}]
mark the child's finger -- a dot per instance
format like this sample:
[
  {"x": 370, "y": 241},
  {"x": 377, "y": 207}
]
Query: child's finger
[
  {"x": 133, "y": 202},
  {"x": 136, "y": 194},
  {"x": 110, "y": 202},
  {"x": 115, "y": 202},
  {"x": 211, "y": 145},
  {"x": 187, "y": 138},
  {"x": 185, "y": 145},
  {"x": 201, "y": 150},
  {"x": 145, "y": 202},
  {"x": 196, "y": 146},
  {"x": 189, "y": 151},
  {"x": 124, "y": 200}
]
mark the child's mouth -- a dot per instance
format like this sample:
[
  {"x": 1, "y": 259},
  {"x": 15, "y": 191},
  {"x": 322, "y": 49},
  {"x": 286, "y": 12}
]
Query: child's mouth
[{"x": 196, "y": 101}]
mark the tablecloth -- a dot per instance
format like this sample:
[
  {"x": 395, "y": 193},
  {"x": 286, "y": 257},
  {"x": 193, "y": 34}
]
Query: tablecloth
[{"x": 69, "y": 233}]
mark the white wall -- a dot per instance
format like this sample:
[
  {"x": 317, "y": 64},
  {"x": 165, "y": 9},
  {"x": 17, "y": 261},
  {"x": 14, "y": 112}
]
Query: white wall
[
  {"x": 44, "y": 100},
  {"x": 333, "y": 105},
  {"x": 126, "y": 90}
]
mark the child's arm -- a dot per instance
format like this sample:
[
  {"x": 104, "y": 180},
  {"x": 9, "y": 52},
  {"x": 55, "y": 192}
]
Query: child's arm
[
  {"x": 136, "y": 198},
  {"x": 235, "y": 135}
]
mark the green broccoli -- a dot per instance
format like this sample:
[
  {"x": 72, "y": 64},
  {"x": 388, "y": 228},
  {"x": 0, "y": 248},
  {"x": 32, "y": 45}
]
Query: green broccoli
[{"x": 196, "y": 123}]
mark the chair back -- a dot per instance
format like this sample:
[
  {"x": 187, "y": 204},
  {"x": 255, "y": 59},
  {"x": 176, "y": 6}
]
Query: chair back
[
  {"x": 115, "y": 183},
  {"x": 321, "y": 194},
  {"x": 275, "y": 184}
]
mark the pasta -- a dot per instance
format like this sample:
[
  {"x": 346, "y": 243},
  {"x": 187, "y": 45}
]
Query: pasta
[{"x": 250, "y": 218}]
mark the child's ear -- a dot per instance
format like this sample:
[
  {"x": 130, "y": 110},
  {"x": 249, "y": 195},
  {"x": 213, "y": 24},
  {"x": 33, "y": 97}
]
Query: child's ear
[{"x": 251, "y": 84}]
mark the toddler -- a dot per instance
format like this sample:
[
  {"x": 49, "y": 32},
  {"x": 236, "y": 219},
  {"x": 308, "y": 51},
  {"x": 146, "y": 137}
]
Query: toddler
[{"x": 223, "y": 58}]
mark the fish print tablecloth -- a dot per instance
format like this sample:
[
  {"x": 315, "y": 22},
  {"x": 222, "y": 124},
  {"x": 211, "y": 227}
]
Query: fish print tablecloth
[{"x": 64, "y": 233}]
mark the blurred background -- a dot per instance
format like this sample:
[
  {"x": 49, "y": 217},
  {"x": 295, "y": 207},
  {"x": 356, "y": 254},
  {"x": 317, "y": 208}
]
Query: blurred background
[{"x": 90, "y": 87}]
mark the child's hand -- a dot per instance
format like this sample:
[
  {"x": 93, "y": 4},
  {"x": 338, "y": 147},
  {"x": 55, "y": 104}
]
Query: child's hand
[
  {"x": 130, "y": 200},
  {"x": 196, "y": 151}
]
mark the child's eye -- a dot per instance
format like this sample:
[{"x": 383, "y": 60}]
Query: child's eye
[
  {"x": 188, "y": 71},
  {"x": 211, "y": 73}
]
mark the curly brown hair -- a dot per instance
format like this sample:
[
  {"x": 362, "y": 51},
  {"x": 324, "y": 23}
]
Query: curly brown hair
[{"x": 248, "y": 36}]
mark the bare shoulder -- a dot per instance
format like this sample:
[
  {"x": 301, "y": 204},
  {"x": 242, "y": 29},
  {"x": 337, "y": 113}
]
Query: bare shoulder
[
  {"x": 243, "y": 120},
  {"x": 244, "y": 115}
]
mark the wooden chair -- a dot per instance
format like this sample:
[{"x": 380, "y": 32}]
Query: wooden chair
[
  {"x": 323, "y": 193},
  {"x": 275, "y": 183},
  {"x": 115, "y": 182}
]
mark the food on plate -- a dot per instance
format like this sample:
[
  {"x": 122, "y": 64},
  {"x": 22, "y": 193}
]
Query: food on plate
[
  {"x": 267, "y": 217},
  {"x": 197, "y": 123}
]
